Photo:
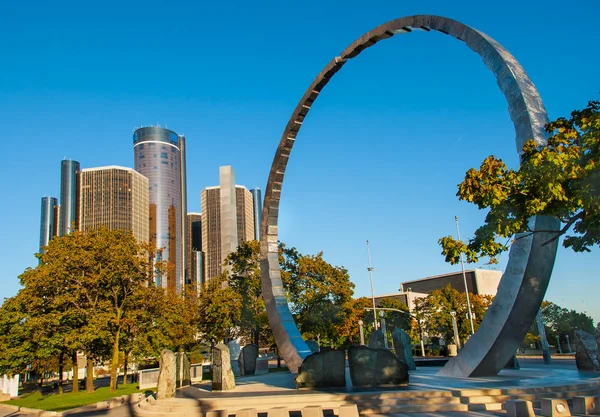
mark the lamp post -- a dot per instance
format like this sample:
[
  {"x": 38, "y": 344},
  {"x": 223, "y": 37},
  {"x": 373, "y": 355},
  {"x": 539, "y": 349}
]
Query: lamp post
[
  {"x": 362, "y": 334},
  {"x": 462, "y": 263},
  {"x": 370, "y": 269}
]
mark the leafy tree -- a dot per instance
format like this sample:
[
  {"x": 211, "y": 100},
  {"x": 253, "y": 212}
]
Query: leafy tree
[
  {"x": 244, "y": 278},
  {"x": 436, "y": 307},
  {"x": 317, "y": 292},
  {"x": 394, "y": 319},
  {"x": 560, "y": 179},
  {"x": 220, "y": 309},
  {"x": 352, "y": 312},
  {"x": 92, "y": 280},
  {"x": 562, "y": 322}
]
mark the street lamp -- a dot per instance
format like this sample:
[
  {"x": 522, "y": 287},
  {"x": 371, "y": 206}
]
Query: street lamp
[
  {"x": 370, "y": 269},
  {"x": 462, "y": 263}
]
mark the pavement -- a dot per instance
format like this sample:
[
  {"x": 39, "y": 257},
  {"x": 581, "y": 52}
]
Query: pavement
[{"x": 533, "y": 373}]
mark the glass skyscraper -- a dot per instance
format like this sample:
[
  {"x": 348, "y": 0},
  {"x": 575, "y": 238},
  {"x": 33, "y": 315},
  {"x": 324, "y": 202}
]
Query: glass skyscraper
[
  {"x": 69, "y": 206},
  {"x": 159, "y": 155},
  {"x": 48, "y": 221}
]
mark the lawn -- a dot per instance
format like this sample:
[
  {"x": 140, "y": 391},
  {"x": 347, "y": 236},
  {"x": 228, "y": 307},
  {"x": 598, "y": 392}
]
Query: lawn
[{"x": 66, "y": 401}]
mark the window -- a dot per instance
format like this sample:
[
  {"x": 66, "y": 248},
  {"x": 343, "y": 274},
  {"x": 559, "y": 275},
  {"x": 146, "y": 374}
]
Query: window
[
  {"x": 164, "y": 162},
  {"x": 141, "y": 156},
  {"x": 164, "y": 155}
]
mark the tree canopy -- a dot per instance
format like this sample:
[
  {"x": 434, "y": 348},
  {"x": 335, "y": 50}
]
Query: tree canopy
[{"x": 560, "y": 179}]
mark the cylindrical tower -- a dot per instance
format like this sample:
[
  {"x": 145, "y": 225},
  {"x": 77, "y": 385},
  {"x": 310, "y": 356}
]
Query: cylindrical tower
[
  {"x": 48, "y": 221},
  {"x": 159, "y": 155},
  {"x": 69, "y": 188}
]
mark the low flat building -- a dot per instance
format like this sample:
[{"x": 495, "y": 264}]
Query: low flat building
[{"x": 479, "y": 281}]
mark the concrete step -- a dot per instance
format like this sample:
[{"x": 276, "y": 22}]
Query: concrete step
[{"x": 418, "y": 408}]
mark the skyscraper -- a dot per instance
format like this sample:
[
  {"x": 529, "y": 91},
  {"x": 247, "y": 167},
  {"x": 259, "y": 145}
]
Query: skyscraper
[
  {"x": 227, "y": 220},
  {"x": 69, "y": 187},
  {"x": 115, "y": 197},
  {"x": 195, "y": 258},
  {"x": 256, "y": 197},
  {"x": 48, "y": 221},
  {"x": 160, "y": 156}
]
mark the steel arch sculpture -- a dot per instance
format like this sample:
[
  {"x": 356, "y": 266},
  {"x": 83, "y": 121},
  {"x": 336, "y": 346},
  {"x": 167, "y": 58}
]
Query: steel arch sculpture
[{"x": 530, "y": 264}]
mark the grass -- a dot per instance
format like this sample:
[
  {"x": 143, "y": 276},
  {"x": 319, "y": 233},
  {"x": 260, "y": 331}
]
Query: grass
[{"x": 66, "y": 401}]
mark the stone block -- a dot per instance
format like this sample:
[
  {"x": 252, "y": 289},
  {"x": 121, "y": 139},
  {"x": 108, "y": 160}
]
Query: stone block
[
  {"x": 348, "y": 410},
  {"x": 223, "y": 379},
  {"x": 262, "y": 366},
  {"x": 278, "y": 412},
  {"x": 403, "y": 347},
  {"x": 246, "y": 412},
  {"x": 519, "y": 408},
  {"x": 376, "y": 340},
  {"x": 555, "y": 407},
  {"x": 585, "y": 405},
  {"x": 587, "y": 357},
  {"x": 183, "y": 370},
  {"x": 167, "y": 375},
  {"x": 323, "y": 369},
  {"x": 376, "y": 368},
  {"x": 247, "y": 360},
  {"x": 312, "y": 411}
]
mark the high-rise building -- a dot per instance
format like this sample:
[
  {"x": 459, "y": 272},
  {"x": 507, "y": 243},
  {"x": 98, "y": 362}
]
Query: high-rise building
[
  {"x": 48, "y": 221},
  {"x": 160, "y": 156},
  {"x": 257, "y": 211},
  {"x": 114, "y": 197},
  {"x": 195, "y": 262},
  {"x": 69, "y": 187},
  {"x": 227, "y": 220}
]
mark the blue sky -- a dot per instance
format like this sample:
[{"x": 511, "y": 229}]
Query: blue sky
[{"x": 378, "y": 158}]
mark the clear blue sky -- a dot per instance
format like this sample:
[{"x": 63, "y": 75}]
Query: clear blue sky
[{"x": 379, "y": 155}]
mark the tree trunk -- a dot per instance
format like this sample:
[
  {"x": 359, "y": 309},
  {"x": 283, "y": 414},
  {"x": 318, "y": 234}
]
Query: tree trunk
[
  {"x": 126, "y": 354},
  {"x": 60, "y": 372},
  {"x": 89, "y": 383},
  {"x": 115, "y": 363},
  {"x": 75, "y": 387}
]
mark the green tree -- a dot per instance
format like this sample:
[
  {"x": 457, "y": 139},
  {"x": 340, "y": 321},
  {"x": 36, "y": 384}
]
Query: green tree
[
  {"x": 560, "y": 179},
  {"x": 436, "y": 307},
  {"x": 96, "y": 276},
  {"x": 353, "y": 311},
  {"x": 563, "y": 322},
  {"x": 317, "y": 292},
  {"x": 394, "y": 319},
  {"x": 244, "y": 278},
  {"x": 220, "y": 309}
]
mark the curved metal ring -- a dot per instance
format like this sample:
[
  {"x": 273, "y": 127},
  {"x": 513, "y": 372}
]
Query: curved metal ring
[{"x": 530, "y": 264}]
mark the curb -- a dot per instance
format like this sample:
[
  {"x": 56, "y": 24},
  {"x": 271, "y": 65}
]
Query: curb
[{"x": 102, "y": 405}]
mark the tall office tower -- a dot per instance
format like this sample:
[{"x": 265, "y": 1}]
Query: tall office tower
[
  {"x": 114, "y": 197},
  {"x": 48, "y": 221},
  {"x": 257, "y": 211},
  {"x": 227, "y": 221},
  {"x": 68, "y": 197},
  {"x": 195, "y": 264},
  {"x": 160, "y": 156}
]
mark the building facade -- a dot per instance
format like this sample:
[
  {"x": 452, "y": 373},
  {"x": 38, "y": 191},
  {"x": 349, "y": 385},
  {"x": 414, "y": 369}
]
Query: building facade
[
  {"x": 195, "y": 263},
  {"x": 48, "y": 221},
  {"x": 69, "y": 187},
  {"x": 257, "y": 198},
  {"x": 159, "y": 155},
  {"x": 227, "y": 220},
  {"x": 479, "y": 281},
  {"x": 114, "y": 197}
]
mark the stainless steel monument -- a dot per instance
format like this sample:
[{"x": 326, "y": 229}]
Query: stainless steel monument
[{"x": 530, "y": 264}]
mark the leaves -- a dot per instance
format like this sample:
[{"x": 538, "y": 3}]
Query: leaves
[{"x": 560, "y": 179}]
